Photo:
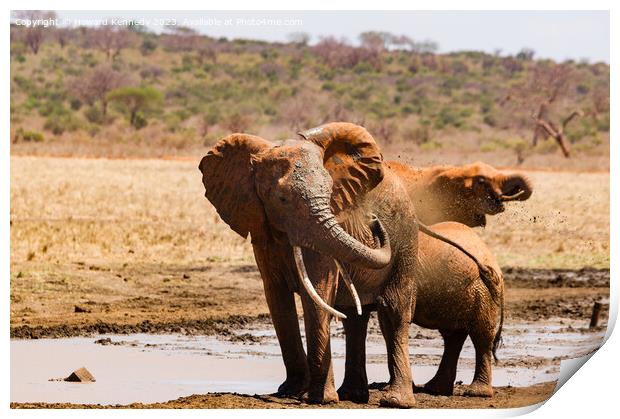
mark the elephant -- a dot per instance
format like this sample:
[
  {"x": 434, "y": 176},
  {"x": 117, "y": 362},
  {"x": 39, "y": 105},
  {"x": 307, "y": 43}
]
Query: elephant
[
  {"x": 319, "y": 209},
  {"x": 460, "y": 292},
  {"x": 465, "y": 194}
]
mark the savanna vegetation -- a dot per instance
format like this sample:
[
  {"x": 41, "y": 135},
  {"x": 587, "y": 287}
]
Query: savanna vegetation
[{"x": 124, "y": 91}]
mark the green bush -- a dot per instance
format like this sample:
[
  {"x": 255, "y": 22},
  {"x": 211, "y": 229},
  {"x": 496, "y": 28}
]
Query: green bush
[
  {"x": 52, "y": 108},
  {"x": 448, "y": 116},
  {"x": 140, "y": 121},
  {"x": 58, "y": 124},
  {"x": 490, "y": 120},
  {"x": 30, "y": 136},
  {"x": 149, "y": 45},
  {"x": 75, "y": 104},
  {"x": 136, "y": 100},
  {"x": 94, "y": 114}
]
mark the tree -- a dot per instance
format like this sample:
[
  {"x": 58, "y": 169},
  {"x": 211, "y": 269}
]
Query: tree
[
  {"x": 237, "y": 122},
  {"x": 526, "y": 54},
  {"x": 95, "y": 85},
  {"x": 136, "y": 100},
  {"x": 541, "y": 97},
  {"x": 111, "y": 40},
  {"x": 63, "y": 36},
  {"x": 339, "y": 54},
  {"x": 181, "y": 38},
  {"x": 375, "y": 41},
  {"x": 299, "y": 38},
  {"x": 33, "y": 34},
  {"x": 547, "y": 85}
]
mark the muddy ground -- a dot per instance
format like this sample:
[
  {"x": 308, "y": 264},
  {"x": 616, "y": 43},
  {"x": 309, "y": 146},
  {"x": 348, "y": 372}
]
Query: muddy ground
[
  {"x": 505, "y": 397},
  {"x": 534, "y": 296},
  {"x": 220, "y": 300},
  {"x": 101, "y": 246}
]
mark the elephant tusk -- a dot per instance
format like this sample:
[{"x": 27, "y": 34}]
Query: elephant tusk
[
  {"x": 314, "y": 296},
  {"x": 512, "y": 197},
  {"x": 351, "y": 287}
]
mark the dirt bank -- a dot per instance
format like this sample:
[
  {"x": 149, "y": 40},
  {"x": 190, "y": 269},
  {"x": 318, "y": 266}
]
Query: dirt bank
[
  {"x": 219, "y": 300},
  {"x": 505, "y": 397}
]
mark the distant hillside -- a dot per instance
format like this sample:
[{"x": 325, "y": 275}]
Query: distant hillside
[{"x": 125, "y": 92}]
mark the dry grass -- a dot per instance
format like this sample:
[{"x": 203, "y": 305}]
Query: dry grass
[
  {"x": 67, "y": 210},
  {"x": 135, "y": 240},
  {"x": 115, "y": 210},
  {"x": 565, "y": 224}
]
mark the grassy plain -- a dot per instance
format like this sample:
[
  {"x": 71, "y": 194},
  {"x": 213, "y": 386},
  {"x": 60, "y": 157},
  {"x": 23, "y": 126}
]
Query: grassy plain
[{"x": 135, "y": 240}]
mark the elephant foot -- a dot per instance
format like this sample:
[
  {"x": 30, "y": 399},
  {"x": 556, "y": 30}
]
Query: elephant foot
[
  {"x": 478, "y": 389},
  {"x": 325, "y": 396},
  {"x": 401, "y": 398},
  {"x": 293, "y": 387},
  {"x": 439, "y": 388},
  {"x": 354, "y": 394}
]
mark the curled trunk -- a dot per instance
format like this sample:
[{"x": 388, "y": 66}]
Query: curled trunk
[
  {"x": 516, "y": 187},
  {"x": 329, "y": 238}
]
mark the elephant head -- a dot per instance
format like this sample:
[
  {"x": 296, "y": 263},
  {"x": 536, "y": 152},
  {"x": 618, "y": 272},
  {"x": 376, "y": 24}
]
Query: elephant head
[
  {"x": 293, "y": 190},
  {"x": 468, "y": 193}
]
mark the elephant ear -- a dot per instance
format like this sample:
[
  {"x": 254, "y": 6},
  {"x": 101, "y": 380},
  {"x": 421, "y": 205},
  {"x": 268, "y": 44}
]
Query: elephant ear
[
  {"x": 228, "y": 178},
  {"x": 352, "y": 158}
]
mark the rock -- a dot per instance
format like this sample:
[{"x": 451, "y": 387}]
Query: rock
[
  {"x": 104, "y": 341},
  {"x": 81, "y": 375},
  {"x": 79, "y": 309}
]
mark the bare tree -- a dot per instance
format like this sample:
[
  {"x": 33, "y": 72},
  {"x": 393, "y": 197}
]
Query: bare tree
[
  {"x": 298, "y": 111},
  {"x": 206, "y": 50},
  {"x": 63, "y": 36},
  {"x": 95, "y": 85},
  {"x": 384, "y": 130},
  {"x": 547, "y": 85},
  {"x": 299, "y": 38},
  {"x": 33, "y": 34},
  {"x": 375, "y": 41},
  {"x": 237, "y": 122},
  {"x": 599, "y": 99},
  {"x": 181, "y": 38},
  {"x": 111, "y": 40},
  {"x": 339, "y": 54},
  {"x": 540, "y": 97}
]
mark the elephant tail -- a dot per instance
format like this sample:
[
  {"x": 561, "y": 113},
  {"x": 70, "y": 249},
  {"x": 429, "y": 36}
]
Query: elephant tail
[
  {"x": 489, "y": 277},
  {"x": 497, "y": 341},
  {"x": 492, "y": 279}
]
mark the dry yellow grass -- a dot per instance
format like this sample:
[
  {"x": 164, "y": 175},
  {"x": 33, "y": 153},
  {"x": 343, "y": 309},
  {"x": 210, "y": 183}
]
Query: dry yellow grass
[
  {"x": 135, "y": 240},
  {"x": 565, "y": 224},
  {"x": 67, "y": 210},
  {"x": 115, "y": 210}
]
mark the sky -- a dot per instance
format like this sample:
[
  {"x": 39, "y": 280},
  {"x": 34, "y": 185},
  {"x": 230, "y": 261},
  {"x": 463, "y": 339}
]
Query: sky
[{"x": 559, "y": 35}]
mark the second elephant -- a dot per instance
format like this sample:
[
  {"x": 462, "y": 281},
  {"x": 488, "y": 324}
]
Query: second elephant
[{"x": 452, "y": 297}]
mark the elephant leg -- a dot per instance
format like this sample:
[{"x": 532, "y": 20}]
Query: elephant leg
[
  {"x": 443, "y": 381},
  {"x": 281, "y": 303},
  {"x": 323, "y": 273},
  {"x": 355, "y": 384},
  {"x": 483, "y": 344},
  {"x": 394, "y": 307}
]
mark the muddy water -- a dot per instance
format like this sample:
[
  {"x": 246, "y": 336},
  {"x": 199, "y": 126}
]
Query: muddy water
[{"x": 152, "y": 368}]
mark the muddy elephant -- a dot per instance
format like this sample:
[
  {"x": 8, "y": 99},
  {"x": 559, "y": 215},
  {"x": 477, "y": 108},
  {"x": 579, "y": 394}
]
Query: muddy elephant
[
  {"x": 314, "y": 208},
  {"x": 465, "y": 194},
  {"x": 460, "y": 292}
]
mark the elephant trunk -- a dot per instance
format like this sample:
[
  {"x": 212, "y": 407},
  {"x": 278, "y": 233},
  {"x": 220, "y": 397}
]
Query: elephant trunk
[
  {"x": 331, "y": 239},
  {"x": 516, "y": 187}
]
